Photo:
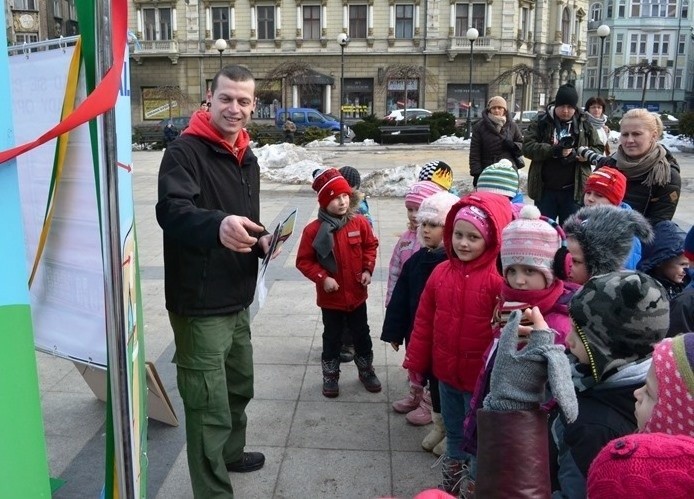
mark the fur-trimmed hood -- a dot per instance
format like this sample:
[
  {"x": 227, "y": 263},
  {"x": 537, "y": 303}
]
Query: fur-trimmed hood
[{"x": 605, "y": 234}]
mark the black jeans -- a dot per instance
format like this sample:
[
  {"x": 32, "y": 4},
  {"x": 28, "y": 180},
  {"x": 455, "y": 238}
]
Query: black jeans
[
  {"x": 334, "y": 322},
  {"x": 557, "y": 204}
]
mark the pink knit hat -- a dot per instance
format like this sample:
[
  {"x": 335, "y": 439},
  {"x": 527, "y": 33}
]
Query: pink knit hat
[
  {"x": 531, "y": 240},
  {"x": 420, "y": 191},
  {"x": 477, "y": 217},
  {"x": 673, "y": 359},
  {"x": 643, "y": 466}
]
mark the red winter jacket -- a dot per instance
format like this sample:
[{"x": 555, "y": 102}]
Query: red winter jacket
[
  {"x": 355, "y": 251},
  {"x": 452, "y": 328}
]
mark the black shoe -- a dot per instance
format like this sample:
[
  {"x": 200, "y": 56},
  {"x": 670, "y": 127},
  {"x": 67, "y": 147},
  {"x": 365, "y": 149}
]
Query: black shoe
[
  {"x": 346, "y": 353},
  {"x": 250, "y": 461}
]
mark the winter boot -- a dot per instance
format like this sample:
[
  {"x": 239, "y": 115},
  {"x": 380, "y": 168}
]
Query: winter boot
[
  {"x": 421, "y": 415},
  {"x": 366, "y": 372},
  {"x": 453, "y": 472},
  {"x": 331, "y": 375},
  {"x": 411, "y": 402},
  {"x": 440, "y": 448},
  {"x": 437, "y": 433}
]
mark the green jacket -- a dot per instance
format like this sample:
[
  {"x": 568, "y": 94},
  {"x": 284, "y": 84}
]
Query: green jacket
[{"x": 538, "y": 145}]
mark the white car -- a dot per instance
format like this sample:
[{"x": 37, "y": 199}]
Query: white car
[{"x": 412, "y": 114}]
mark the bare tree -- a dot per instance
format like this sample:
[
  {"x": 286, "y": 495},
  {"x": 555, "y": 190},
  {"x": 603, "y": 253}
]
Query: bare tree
[
  {"x": 289, "y": 73},
  {"x": 407, "y": 73},
  {"x": 526, "y": 74},
  {"x": 642, "y": 68},
  {"x": 174, "y": 97}
]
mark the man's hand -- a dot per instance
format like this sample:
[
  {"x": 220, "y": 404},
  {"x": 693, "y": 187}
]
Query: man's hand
[
  {"x": 330, "y": 285},
  {"x": 234, "y": 233},
  {"x": 396, "y": 346},
  {"x": 365, "y": 278},
  {"x": 264, "y": 243}
]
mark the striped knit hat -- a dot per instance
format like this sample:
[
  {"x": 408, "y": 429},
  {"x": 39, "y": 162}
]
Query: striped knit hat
[
  {"x": 329, "y": 184},
  {"x": 531, "y": 240},
  {"x": 419, "y": 191},
  {"x": 499, "y": 178}
]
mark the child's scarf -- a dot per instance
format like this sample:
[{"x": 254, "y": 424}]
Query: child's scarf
[{"x": 324, "y": 241}]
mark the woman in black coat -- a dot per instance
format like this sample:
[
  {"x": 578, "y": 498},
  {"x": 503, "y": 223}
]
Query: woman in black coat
[
  {"x": 653, "y": 175},
  {"x": 494, "y": 137}
]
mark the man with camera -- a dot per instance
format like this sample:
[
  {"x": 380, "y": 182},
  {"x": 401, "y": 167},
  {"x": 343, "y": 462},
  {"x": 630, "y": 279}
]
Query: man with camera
[{"x": 557, "y": 174}]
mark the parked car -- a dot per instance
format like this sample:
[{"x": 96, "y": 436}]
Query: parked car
[
  {"x": 413, "y": 114},
  {"x": 304, "y": 117},
  {"x": 153, "y": 133},
  {"x": 528, "y": 116}
]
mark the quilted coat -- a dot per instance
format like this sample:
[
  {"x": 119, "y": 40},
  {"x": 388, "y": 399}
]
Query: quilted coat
[{"x": 452, "y": 327}]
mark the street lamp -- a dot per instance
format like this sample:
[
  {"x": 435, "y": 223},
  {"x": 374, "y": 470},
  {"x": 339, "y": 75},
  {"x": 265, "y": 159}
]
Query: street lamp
[
  {"x": 603, "y": 32},
  {"x": 471, "y": 35},
  {"x": 221, "y": 45},
  {"x": 343, "y": 40}
]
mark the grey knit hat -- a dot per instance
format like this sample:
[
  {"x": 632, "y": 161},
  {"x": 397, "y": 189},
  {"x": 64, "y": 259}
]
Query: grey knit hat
[
  {"x": 352, "y": 176},
  {"x": 619, "y": 317},
  {"x": 605, "y": 234}
]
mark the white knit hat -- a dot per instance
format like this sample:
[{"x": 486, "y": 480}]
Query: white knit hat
[{"x": 435, "y": 208}]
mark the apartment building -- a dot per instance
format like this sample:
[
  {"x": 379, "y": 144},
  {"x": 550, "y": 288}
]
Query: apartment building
[
  {"x": 538, "y": 45},
  {"x": 649, "y": 46}
]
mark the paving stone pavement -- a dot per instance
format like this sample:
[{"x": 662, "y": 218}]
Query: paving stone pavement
[{"x": 354, "y": 446}]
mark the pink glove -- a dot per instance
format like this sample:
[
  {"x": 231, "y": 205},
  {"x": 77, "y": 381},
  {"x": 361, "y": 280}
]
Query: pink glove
[{"x": 416, "y": 379}]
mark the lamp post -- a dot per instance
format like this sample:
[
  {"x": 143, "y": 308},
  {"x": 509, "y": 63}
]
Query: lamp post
[
  {"x": 603, "y": 32},
  {"x": 221, "y": 45},
  {"x": 343, "y": 41},
  {"x": 471, "y": 35}
]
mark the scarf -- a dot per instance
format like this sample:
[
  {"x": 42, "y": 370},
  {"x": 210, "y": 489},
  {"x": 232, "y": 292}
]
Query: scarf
[
  {"x": 596, "y": 122},
  {"x": 654, "y": 165},
  {"x": 497, "y": 121},
  {"x": 632, "y": 373},
  {"x": 520, "y": 299},
  {"x": 324, "y": 241},
  {"x": 200, "y": 126}
]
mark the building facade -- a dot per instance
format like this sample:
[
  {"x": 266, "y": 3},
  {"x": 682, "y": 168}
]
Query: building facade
[
  {"x": 535, "y": 45},
  {"x": 30, "y": 21},
  {"x": 647, "y": 56}
]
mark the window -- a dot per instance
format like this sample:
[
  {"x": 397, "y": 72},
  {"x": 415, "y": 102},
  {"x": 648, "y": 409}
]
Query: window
[
  {"x": 470, "y": 15},
  {"x": 311, "y": 22},
  {"x": 638, "y": 44},
  {"x": 619, "y": 46},
  {"x": 25, "y": 5},
  {"x": 58, "y": 8},
  {"x": 395, "y": 95},
  {"x": 596, "y": 12},
  {"x": 681, "y": 44},
  {"x": 610, "y": 5},
  {"x": 662, "y": 82},
  {"x": 157, "y": 23},
  {"x": 71, "y": 11},
  {"x": 656, "y": 44},
  {"x": 359, "y": 93},
  {"x": 269, "y": 98},
  {"x": 26, "y": 38},
  {"x": 678, "y": 79},
  {"x": 621, "y": 7},
  {"x": 593, "y": 46},
  {"x": 404, "y": 21},
  {"x": 525, "y": 21},
  {"x": 565, "y": 26},
  {"x": 591, "y": 74},
  {"x": 266, "y": 22},
  {"x": 685, "y": 9},
  {"x": 665, "y": 49},
  {"x": 357, "y": 21},
  {"x": 220, "y": 23},
  {"x": 635, "y": 8}
]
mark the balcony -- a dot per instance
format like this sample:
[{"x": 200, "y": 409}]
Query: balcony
[
  {"x": 483, "y": 45},
  {"x": 153, "y": 48}
]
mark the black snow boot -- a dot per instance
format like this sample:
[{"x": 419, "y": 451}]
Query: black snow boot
[
  {"x": 366, "y": 372},
  {"x": 331, "y": 376}
]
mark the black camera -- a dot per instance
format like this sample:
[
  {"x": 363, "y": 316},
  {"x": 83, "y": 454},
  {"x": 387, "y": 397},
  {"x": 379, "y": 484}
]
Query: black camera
[{"x": 566, "y": 140}]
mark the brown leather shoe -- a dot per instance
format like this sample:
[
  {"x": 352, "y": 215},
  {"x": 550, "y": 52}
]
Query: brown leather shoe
[{"x": 250, "y": 461}]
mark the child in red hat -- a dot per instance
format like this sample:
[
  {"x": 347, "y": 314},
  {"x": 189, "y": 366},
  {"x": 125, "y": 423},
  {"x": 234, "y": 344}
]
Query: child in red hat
[{"x": 338, "y": 253}]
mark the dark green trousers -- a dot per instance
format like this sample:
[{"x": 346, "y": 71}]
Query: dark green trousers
[{"x": 214, "y": 360}]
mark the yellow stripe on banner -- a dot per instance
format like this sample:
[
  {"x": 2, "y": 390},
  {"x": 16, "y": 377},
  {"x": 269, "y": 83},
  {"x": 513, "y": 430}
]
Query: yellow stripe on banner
[{"x": 61, "y": 151}]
